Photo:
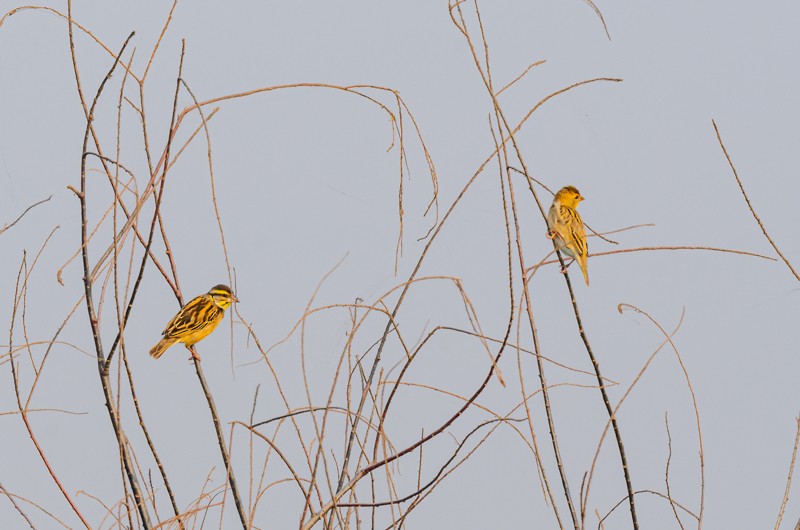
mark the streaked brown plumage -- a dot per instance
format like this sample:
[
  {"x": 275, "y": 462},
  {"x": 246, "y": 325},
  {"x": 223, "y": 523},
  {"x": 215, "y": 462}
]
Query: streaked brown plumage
[
  {"x": 566, "y": 226},
  {"x": 196, "y": 320}
]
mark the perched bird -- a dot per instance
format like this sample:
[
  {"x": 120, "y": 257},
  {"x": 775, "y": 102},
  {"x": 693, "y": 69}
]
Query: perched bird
[
  {"x": 196, "y": 320},
  {"x": 566, "y": 226}
]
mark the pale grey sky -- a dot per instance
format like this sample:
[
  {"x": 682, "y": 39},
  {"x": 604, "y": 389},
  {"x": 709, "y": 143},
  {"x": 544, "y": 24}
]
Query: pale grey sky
[{"x": 303, "y": 178}]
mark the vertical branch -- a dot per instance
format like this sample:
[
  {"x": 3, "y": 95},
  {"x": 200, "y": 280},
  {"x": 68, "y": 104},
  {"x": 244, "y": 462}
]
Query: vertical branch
[
  {"x": 584, "y": 338},
  {"x": 540, "y": 369},
  {"x": 237, "y": 499},
  {"x": 162, "y": 471},
  {"x": 122, "y": 321},
  {"x": 93, "y": 318},
  {"x": 789, "y": 478},
  {"x": 223, "y": 448},
  {"x": 500, "y": 116},
  {"x": 604, "y": 393},
  {"x": 666, "y": 473},
  {"x": 534, "y": 333}
]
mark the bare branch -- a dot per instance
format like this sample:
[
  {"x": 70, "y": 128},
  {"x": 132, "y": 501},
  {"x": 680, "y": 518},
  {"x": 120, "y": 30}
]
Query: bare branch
[
  {"x": 29, "y": 208},
  {"x": 789, "y": 478},
  {"x": 750, "y": 206}
]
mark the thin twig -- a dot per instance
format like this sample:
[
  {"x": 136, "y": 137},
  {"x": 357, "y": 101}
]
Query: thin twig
[
  {"x": 600, "y": 16},
  {"x": 16, "y": 506},
  {"x": 651, "y": 492},
  {"x": 14, "y": 498},
  {"x": 666, "y": 472},
  {"x": 520, "y": 76},
  {"x": 750, "y": 206},
  {"x": 29, "y": 208},
  {"x": 789, "y": 478},
  {"x": 645, "y": 249},
  {"x": 296, "y": 413},
  {"x": 437, "y": 475}
]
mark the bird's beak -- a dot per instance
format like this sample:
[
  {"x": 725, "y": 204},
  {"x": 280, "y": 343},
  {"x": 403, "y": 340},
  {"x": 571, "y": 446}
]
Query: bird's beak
[{"x": 233, "y": 297}]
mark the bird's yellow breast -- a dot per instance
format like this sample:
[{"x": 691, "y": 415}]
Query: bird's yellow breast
[{"x": 192, "y": 338}]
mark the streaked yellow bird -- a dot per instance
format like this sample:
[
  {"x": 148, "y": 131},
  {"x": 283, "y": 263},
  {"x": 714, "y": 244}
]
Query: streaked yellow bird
[
  {"x": 196, "y": 320},
  {"x": 566, "y": 227}
]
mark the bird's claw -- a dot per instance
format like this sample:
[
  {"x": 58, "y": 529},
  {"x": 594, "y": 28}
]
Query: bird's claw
[{"x": 550, "y": 234}]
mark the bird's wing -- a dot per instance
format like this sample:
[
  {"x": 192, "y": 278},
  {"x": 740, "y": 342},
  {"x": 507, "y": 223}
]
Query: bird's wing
[
  {"x": 192, "y": 317},
  {"x": 574, "y": 227}
]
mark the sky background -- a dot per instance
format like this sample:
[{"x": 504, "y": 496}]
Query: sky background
[{"x": 305, "y": 178}]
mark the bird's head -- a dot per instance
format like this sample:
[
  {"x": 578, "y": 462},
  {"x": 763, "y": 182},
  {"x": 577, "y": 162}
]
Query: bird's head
[
  {"x": 569, "y": 196},
  {"x": 222, "y": 296}
]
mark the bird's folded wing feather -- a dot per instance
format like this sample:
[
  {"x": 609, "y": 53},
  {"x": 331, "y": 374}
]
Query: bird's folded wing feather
[
  {"x": 574, "y": 227},
  {"x": 192, "y": 317}
]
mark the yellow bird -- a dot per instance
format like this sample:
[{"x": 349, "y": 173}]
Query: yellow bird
[
  {"x": 196, "y": 320},
  {"x": 566, "y": 226}
]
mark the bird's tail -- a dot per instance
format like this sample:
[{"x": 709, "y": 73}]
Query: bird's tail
[
  {"x": 159, "y": 349},
  {"x": 584, "y": 269}
]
